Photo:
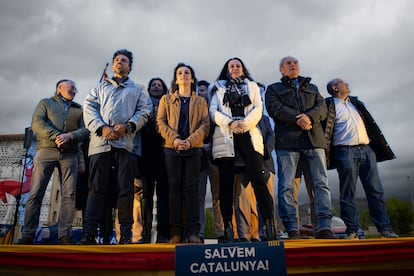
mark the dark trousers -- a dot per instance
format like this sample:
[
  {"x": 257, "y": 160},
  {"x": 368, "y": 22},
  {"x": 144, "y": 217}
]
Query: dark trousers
[
  {"x": 183, "y": 173},
  {"x": 159, "y": 184},
  {"x": 121, "y": 164},
  {"x": 255, "y": 172}
]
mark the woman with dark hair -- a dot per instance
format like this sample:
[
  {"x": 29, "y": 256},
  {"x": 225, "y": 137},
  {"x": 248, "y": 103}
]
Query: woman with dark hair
[
  {"x": 153, "y": 169},
  {"x": 183, "y": 121},
  {"x": 236, "y": 109}
]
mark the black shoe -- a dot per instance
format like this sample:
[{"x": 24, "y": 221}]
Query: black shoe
[
  {"x": 88, "y": 239},
  {"x": 106, "y": 241},
  {"x": 294, "y": 235},
  {"x": 146, "y": 236},
  {"x": 352, "y": 236},
  {"x": 226, "y": 240},
  {"x": 228, "y": 233},
  {"x": 64, "y": 240},
  {"x": 254, "y": 240},
  {"x": 25, "y": 240},
  {"x": 145, "y": 240},
  {"x": 161, "y": 239},
  {"x": 242, "y": 240},
  {"x": 124, "y": 240},
  {"x": 325, "y": 234},
  {"x": 221, "y": 239}
]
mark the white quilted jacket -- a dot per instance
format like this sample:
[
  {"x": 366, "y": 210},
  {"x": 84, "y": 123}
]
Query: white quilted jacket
[{"x": 223, "y": 145}]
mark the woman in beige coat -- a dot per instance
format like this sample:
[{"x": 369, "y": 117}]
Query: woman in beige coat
[{"x": 183, "y": 121}]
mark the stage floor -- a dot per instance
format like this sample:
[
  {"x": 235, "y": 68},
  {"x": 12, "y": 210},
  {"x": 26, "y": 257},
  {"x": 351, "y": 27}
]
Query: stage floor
[{"x": 303, "y": 257}]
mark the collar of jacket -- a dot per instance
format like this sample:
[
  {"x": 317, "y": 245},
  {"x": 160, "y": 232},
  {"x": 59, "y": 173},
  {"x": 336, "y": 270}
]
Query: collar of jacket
[
  {"x": 176, "y": 96},
  {"x": 125, "y": 83},
  {"x": 353, "y": 99},
  {"x": 289, "y": 82},
  {"x": 59, "y": 99}
]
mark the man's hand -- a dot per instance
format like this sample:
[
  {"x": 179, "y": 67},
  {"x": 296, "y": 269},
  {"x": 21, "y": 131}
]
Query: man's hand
[
  {"x": 120, "y": 130},
  {"x": 62, "y": 139},
  {"x": 109, "y": 133},
  {"x": 304, "y": 121}
]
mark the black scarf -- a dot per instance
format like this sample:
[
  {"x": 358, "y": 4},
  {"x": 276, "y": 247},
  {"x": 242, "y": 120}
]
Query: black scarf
[{"x": 235, "y": 96}]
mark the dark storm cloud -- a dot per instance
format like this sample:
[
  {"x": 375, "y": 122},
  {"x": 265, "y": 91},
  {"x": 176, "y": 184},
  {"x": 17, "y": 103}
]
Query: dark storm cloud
[{"x": 367, "y": 43}]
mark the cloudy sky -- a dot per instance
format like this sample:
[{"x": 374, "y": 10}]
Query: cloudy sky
[{"x": 367, "y": 43}]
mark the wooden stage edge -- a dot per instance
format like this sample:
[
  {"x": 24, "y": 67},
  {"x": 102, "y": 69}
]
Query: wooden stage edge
[{"x": 303, "y": 257}]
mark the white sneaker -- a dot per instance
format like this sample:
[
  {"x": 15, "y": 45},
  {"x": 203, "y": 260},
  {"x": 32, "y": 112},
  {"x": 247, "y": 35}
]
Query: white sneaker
[{"x": 389, "y": 235}]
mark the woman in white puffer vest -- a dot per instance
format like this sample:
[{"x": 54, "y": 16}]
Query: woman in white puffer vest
[{"x": 236, "y": 108}]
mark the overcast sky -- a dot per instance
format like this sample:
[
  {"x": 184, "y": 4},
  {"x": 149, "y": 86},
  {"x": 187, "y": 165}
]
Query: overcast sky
[{"x": 367, "y": 43}]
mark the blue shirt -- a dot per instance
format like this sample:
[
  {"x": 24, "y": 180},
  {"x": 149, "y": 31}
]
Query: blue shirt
[{"x": 349, "y": 128}]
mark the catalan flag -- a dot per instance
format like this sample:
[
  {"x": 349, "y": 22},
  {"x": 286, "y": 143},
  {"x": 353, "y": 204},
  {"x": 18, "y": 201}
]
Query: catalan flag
[
  {"x": 6, "y": 233},
  {"x": 13, "y": 187}
]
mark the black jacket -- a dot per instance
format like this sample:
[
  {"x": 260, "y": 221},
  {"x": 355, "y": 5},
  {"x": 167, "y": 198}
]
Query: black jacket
[
  {"x": 377, "y": 140},
  {"x": 283, "y": 104}
]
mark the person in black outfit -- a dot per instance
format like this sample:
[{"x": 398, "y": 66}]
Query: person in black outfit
[{"x": 154, "y": 172}]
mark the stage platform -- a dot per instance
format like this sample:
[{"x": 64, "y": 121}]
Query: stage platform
[{"x": 303, "y": 257}]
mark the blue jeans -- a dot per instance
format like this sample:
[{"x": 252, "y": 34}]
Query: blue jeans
[
  {"x": 359, "y": 161},
  {"x": 44, "y": 165},
  {"x": 287, "y": 162}
]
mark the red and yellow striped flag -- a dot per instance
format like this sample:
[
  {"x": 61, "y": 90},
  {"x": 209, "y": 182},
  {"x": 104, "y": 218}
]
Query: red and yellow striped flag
[{"x": 6, "y": 233}]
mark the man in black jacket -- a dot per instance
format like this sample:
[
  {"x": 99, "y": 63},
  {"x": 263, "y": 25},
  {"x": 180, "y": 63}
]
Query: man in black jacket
[
  {"x": 297, "y": 109},
  {"x": 355, "y": 144}
]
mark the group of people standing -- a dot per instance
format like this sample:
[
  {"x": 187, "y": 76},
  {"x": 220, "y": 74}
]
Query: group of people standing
[{"x": 170, "y": 139}]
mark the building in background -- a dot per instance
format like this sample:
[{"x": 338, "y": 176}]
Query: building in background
[{"x": 12, "y": 159}]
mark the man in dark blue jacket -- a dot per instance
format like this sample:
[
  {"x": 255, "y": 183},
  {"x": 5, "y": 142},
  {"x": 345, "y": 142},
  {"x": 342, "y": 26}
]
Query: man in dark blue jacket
[
  {"x": 355, "y": 144},
  {"x": 297, "y": 109}
]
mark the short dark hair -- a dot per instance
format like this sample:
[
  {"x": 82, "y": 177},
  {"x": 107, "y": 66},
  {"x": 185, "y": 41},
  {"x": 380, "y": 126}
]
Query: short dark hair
[
  {"x": 59, "y": 82},
  {"x": 330, "y": 86},
  {"x": 62, "y": 81},
  {"x": 203, "y": 82},
  {"x": 126, "y": 53}
]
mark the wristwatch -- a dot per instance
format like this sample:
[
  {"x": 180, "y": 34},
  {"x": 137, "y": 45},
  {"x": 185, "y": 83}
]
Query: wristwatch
[{"x": 129, "y": 128}]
